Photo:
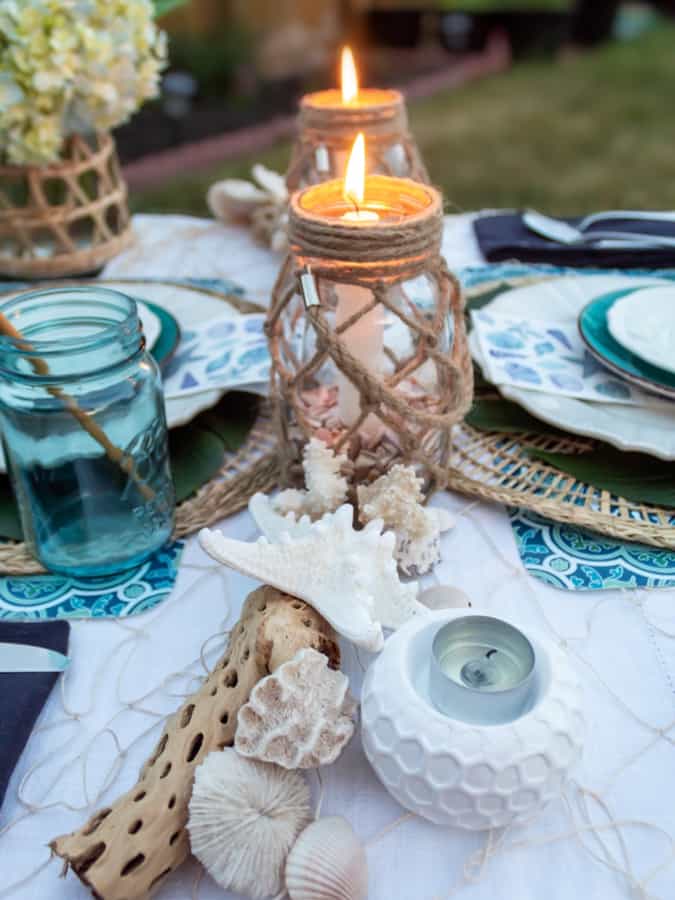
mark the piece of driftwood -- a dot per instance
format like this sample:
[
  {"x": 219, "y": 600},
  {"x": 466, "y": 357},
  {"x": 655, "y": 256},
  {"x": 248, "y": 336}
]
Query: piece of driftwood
[{"x": 125, "y": 851}]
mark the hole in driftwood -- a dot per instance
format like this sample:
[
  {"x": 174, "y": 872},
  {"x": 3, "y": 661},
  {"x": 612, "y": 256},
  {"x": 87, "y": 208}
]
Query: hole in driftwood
[
  {"x": 307, "y": 623},
  {"x": 161, "y": 747},
  {"x": 245, "y": 655},
  {"x": 166, "y": 770},
  {"x": 159, "y": 878},
  {"x": 298, "y": 605},
  {"x": 224, "y": 719},
  {"x": 186, "y": 715},
  {"x": 133, "y": 864},
  {"x": 139, "y": 796},
  {"x": 91, "y": 826},
  {"x": 225, "y": 663},
  {"x": 85, "y": 862},
  {"x": 195, "y": 747},
  {"x": 174, "y": 837},
  {"x": 172, "y": 801},
  {"x": 214, "y": 691},
  {"x": 136, "y": 826},
  {"x": 231, "y": 678}
]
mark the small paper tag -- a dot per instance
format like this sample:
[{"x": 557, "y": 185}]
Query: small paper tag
[
  {"x": 310, "y": 292},
  {"x": 322, "y": 159}
]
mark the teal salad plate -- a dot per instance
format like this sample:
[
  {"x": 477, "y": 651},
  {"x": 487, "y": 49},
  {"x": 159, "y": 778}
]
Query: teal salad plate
[{"x": 595, "y": 334}]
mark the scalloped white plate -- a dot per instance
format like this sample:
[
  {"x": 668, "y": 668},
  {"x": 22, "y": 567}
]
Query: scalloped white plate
[{"x": 645, "y": 430}]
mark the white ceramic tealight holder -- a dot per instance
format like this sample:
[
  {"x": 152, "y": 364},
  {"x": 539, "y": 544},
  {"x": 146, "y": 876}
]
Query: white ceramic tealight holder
[{"x": 471, "y": 774}]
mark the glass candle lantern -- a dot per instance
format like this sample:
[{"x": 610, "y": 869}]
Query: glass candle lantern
[
  {"x": 366, "y": 330},
  {"x": 328, "y": 121},
  {"x": 84, "y": 430}
]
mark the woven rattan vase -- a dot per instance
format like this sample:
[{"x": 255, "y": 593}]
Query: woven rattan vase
[
  {"x": 64, "y": 219},
  {"x": 366, "y": 332},
  {"x": 326, "y": 131}
]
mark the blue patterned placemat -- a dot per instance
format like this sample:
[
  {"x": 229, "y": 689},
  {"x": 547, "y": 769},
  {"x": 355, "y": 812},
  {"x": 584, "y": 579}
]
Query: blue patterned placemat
[
  {"x": 575, "y": 559},
  {"x": 61, "y": 597}
]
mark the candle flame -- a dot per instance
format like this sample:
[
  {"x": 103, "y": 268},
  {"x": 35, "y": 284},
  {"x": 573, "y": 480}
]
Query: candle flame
[
  {"x": 350, "y": 82},
  {"x": 355, "y": 176}
]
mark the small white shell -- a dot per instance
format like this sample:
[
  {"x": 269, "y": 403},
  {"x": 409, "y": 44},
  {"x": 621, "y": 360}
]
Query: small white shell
[
  {"x": 444, "y": 596},
  {"x": 271, "y": 182},
  {"x": 327, "y": 862},
  {"x": 234, "y": 198}
]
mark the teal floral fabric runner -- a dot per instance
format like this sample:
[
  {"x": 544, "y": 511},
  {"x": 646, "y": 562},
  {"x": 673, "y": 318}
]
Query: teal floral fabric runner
[{"x": 60, "y": 597}]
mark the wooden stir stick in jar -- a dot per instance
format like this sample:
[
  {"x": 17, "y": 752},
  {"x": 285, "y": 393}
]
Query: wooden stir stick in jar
[{"x": 113, "y": 452}]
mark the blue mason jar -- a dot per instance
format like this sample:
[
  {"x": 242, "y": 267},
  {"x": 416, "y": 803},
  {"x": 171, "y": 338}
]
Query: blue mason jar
[{"x": 84, "y": 430}]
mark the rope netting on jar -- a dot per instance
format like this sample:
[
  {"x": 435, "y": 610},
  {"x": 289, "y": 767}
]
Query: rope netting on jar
[
  {"x": 326, "y": 134},
  {"x": 407, "y": 409}
]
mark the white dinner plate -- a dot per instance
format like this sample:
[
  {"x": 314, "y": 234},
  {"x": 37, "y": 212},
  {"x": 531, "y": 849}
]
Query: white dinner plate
[
  {"x": 644, "y": 323},
  {"x": 646, "y": 430}
]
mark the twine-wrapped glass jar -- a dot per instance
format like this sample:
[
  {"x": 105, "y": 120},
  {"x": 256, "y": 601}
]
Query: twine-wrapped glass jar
[
  {"x": 366, "y": 331},
  {"x": 326, "y": 129}
]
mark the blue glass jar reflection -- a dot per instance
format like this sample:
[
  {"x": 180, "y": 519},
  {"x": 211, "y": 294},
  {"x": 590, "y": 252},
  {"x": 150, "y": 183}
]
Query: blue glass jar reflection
[{"x": 84, "y": 431}]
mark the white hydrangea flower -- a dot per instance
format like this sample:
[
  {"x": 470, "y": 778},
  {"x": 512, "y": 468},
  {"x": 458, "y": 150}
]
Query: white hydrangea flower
[{"x": 73, "y": 66}]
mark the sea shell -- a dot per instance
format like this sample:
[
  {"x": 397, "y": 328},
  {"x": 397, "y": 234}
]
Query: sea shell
[
  {"x": 299, "y": 717},
  {"x": 244, "y": 817},
  {"x": 327, "y": 862},
  {"x": 396, "y": 498},
  {"x": 348, "y": 576},
  {"x": 234, "y": 199},
  {"x": 271, "y": 182},
  {"x": 444, "y": 596}
]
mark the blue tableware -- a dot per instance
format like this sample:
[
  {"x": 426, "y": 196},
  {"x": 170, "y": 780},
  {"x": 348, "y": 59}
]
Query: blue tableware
[
  {"x": 88, "y": 505},
  {"x": 596, "y": 335}
]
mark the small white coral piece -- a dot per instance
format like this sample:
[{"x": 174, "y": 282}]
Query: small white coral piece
[
  {"x": 396, "y": 498},
  {"x": 291, "y": 511},
  {"x": 299, "y": 717},
  {"x": 244, "y": 817},
  {"x": 327, "y": 862},
  {"x": 348, "y": 576},
  {"x": 263, "y": 205}
]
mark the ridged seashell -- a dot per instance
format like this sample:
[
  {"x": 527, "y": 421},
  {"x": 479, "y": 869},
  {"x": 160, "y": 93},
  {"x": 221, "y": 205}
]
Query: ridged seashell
[
  {"x": 244, "y": 818},
  {"x": 299, "y": 717},
  {"x": 348, "y": 576},
  {"x": 327, "y": 862}
]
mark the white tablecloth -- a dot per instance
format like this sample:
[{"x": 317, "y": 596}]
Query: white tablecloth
[{"x": 104, "y": 718}]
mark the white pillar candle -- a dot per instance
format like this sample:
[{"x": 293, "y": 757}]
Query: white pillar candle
[{"x": 364, "y": 340}]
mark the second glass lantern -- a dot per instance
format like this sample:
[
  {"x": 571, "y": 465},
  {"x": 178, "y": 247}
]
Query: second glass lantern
[{"x": 328, "y": 121}]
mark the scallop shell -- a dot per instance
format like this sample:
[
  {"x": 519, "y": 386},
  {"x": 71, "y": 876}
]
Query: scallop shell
[{"x": 327, "y": 862}]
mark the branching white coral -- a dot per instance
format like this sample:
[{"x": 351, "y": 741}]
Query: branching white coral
[{"x": 396, "y": 498}]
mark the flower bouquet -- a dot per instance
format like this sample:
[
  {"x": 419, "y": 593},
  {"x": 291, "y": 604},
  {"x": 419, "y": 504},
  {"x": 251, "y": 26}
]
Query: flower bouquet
[{"x": 70, "y": 70}]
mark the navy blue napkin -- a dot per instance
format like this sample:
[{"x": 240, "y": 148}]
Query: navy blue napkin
[
  {"x": 504, "y": 237},
  {"x": 23, "y": 694}
]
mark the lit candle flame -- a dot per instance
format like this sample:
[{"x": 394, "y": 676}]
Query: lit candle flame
[
  {"x": 355, "y": 176},
  {"x": 350, "y": 82}
]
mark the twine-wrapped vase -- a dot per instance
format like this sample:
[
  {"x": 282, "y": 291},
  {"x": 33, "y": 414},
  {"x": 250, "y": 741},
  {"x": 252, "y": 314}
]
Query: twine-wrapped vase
[
  {"x": 366, "y": 332},
  {"x": 64, "y": 219},
  {"x": 326, "y": 129}
]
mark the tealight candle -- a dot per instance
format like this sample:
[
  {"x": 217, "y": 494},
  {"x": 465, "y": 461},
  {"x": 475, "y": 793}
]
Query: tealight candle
[{"x": 482, "y": 670}]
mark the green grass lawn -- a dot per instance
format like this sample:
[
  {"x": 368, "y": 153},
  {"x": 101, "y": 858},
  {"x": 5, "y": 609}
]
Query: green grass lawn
[{"x": 591, "y": 132}]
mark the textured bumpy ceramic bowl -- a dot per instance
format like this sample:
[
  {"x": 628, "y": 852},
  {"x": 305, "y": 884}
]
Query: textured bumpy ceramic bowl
[{"x": 453, "y": 773}]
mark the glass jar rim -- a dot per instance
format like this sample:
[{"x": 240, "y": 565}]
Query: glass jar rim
[{"x": 128, "y": 322}]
